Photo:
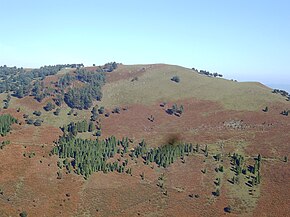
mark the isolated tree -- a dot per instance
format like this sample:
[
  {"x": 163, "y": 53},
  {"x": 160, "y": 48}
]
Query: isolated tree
[
  {"x": 217, "y": 192},
  {"x": 98, "y": 133},
  {"x": 265, "y": 109},
  {"x": 29, "y": 121},
  {"x": 175, "y": 79},
  {"x": 92, "y": 127},
  {"x": 37, "y": 113},
  {"x": 197, "y": 148},
  {"x": 37, "y": 122},
  {"x": 101, "y": 110},
  {"x": 228, "y": 209},
  {"x": 23, "y": 214},
  {"x": 49, "y": 106},
  {"x": 259, "y": 157},
  {"x": 142, "y": 176},
  {"x": 56, "y": 112}
]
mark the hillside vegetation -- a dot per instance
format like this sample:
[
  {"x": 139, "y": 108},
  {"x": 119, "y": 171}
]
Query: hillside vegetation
[
  {"x": 154, "y": 85},
  {"x": 141, "y": 140}
]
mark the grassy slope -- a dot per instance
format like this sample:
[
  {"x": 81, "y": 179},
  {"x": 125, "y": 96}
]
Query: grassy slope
[{"x": 155, "y": 85}]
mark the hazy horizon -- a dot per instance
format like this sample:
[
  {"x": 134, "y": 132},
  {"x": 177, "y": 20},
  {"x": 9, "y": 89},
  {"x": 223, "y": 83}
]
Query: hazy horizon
[{"x": 246, "y": 41}]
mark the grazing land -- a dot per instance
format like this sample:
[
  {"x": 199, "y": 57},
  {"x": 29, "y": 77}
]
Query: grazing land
[{"x": 141, "y": 140}]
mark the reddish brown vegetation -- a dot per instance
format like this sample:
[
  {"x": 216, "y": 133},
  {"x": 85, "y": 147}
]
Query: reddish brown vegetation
[{"x": 31, "y": 184}]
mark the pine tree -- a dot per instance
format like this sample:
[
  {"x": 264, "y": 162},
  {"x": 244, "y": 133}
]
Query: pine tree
[{"x": 92, "y": 127}]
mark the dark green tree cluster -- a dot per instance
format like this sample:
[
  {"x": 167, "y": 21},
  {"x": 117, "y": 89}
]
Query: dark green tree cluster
[
  {"x": 7, "y": 101},
  {"x": 38, "y": 90},
  {"x": 6, "y": 121},
  {"x": 89, "y": 155},
  {"x": 58, "y": 99},
  {"x": 281, "y": 92},
  {"x": 44, "y": 71},
  {"x": 19, "y": 81},
  {"x": 11, "y": 80},
  {"x": 30, "y": 82},
  {"x": 239, "y": 167},
  {"x": 238, "y": 162},
  {"x": 167, "y": 154},
  {"x": 65, "y": 81},
  {"x": 162, "y": 156},
  {"x": 140, "y": 150},
  {"x": 257, "y": 170},
  {"x": 24, "y": 82},
  {"x": 79, "y": 65},
  {"x": 94, "y": 113},
  {"x": 82, "y": 97},
  {"x": 207, "y": 73},
  {"x": 73, "y": 129},
  {"x": 108, "y": 67}
]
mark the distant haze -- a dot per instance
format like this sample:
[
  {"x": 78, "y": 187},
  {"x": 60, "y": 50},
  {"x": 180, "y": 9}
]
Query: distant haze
[{"x": 285, "y": 87}]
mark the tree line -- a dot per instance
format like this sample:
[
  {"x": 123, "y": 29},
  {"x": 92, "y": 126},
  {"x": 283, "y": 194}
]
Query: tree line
[
  {"x": 164, "y": 155},
  {"x": 23, "y": 82},
  {"x": 72, "y": 129},
  {"x": 207, "y": 73}
]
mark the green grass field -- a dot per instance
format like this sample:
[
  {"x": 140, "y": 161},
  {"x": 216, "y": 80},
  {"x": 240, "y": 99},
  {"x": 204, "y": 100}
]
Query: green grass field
[{"x": 155, "y": 86}]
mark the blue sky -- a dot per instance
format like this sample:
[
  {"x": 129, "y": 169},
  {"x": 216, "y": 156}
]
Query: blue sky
[{"x": 242, "y": 39}]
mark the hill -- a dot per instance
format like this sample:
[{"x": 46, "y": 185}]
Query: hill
[
  {"x": 154, "y": 84},
  {"x": 141, "y": 140}
]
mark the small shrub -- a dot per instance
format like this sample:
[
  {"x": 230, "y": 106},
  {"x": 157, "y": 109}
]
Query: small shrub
[
  {"x": 37, "y": 113},
  {"x": 228, "y": 209},
  {"x": 116, "y": 110},
  {"x": 29, "y": 121},
  {"x": 101, "y": 110},
  {"x": 70, "y": 112},
  {"x": 175, "y": 79},
  {"x": 23, "y": 214},
  {"x": 37, "y": 123},
  {"x": 49, "y": 106},
  {"x": 56, "y": 112},
  {"x": 98, "y": 133},
  {"x": 107, "y": 114},
  {"x": 266, "y": 109}
]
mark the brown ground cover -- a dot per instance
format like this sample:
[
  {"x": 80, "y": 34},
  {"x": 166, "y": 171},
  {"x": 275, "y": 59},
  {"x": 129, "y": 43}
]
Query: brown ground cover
[{"x": 31, "y": 184}]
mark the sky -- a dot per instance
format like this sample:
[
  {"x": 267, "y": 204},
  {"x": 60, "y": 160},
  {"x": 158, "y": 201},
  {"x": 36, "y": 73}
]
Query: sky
[{"x": 242, "y": 39}]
